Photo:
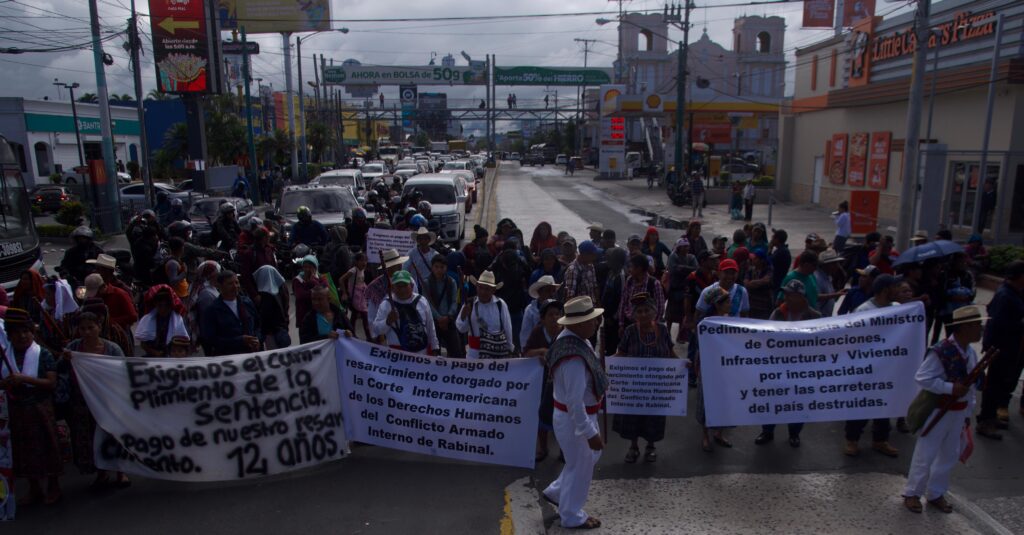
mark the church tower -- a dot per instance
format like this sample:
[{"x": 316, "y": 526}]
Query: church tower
[{"x": 761, "y": 63}]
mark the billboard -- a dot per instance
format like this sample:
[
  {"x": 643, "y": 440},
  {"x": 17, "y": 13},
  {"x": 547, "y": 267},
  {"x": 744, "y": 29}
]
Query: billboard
[
  {"x": 181, "y": 48},
  {"x": 837, "y": 159},
  {"x": 858, "y": 158},
  {"x": 855, "y": 10},
  {"x": 819, "y": 13},
  {"x": 878, "y": 163},
  {"x": 274, "y": 16},
  {"x": 571, "y": 76},
  {"x": 383, "y": 75}
]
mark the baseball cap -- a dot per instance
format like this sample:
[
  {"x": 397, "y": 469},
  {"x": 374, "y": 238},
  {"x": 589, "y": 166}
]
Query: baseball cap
[
  {"x": 795, "y": 286},
  {"x": 401, "y": 277},
  {"x": 682, "y": 242},
  {"x": 92, "y": 284},
  {"x": 588, "y": 247},
  {"x": 634, "y": 238},
  {"x": 727, "y": 264},
  {"x": 741, "y": 254},
  {"x": 811, "y": 237},
  {"x": 869, "y": 270}
]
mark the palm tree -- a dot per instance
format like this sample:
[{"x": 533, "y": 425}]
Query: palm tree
[
  {"x": 155, "y": 94},
  {"x": 88, "y": 97},
  {"x": 122, "y": 98}
]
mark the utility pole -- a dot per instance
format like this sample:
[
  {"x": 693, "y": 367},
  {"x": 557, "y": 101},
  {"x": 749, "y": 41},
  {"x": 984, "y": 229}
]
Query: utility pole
[
  {"x": 106, "y": 210},
  {"x": 136, "y": 46},
  {"x": 580, "y": 91},
  {"x": 910, "y": 149},
  {"x": 290, "y": 105},
  {"x": 74, "y": 116},
  {"x": 254, "y": 179},
  {"x": 303, "y": 157},
  {"x": 673, "y": 16}
]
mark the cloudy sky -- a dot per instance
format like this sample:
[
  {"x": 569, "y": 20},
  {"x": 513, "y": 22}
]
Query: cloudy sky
[{"x": 532, "y": 41}]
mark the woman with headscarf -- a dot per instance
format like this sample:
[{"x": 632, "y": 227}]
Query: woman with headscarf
[
  {"x": 645, "y": 338},
  {"x": 542, "y": 240},
  {"x": 680, "y": 264},
  {"x": 458, "y": 270},
  {"x": 260, "y": 254},
  {"x": 163, "y": 321},
  {"x": 658, "y": 251},
  {"x": 611, "y": 295},
  {"x": 108, "y": 331},
  {"x": 29, "y": 374},
  {"x": 496, "y": 243},
  {"x": 29, "y": 294},
  {"x": 303, "y": 284},
  {"x": 697, "y": 242},
  {"x": 513, "y": 272},
  {"x": 473, "y": 248},
  {"x": 58, "y": 304},
  {"x": 272, "y": 305},
  {"x": 88, "y": 327}
]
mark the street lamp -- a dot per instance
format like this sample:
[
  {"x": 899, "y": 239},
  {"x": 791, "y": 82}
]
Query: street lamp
[
  {"x": 74, "y": 116},
  {"x": 303, "y": 155}
]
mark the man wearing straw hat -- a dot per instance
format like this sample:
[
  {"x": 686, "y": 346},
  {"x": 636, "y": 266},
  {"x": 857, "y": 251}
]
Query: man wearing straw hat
[
  {"x": 541, "y": 290},
  {"x": 487, "y": 321},
  {"x": 404, "y": 319},
  {"x": 420, "y": 256},
  {"x": 379, "y": 288},
  {"x": 944, "y": 372},
  {"x": 579, "y": 386}
]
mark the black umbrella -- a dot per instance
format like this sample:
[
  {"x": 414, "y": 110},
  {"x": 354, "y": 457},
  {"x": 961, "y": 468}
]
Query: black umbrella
[{"x": 928, "y": 251}]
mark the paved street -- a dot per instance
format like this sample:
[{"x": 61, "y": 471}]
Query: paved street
[{"x": 814, "y": 489}]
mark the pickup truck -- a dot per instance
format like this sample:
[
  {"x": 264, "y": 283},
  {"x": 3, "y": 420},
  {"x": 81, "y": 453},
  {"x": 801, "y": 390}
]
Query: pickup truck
[{"x": 533, "y": 158}]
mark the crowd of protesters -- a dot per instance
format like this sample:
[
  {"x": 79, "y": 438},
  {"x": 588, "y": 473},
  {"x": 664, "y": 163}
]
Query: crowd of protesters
[{"x": 498, "y": 296}]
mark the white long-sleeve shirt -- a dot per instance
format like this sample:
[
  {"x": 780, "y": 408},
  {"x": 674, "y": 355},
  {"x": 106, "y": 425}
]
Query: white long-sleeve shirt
[
  {"x": 380, "y": 322},
  {"x": 488, "y": 315},
  {"x": 573, "y": 388},
  {"x": 531, "y": 317},
  {"x": 843, "y": 224},
  {"x": 931, "y": 376}
]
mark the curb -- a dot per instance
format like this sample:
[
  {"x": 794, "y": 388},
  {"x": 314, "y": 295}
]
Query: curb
[
  {"x": 524, "y": 513},
  {"x": 977, "y": 515}
]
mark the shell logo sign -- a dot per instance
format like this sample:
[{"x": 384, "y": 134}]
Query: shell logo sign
[
  {"x": 609, "y": 101},
  {"x": 653, "y": 103}
]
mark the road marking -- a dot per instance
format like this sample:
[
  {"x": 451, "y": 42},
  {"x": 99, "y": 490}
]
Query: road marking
[{"x": 507, "y": 527}]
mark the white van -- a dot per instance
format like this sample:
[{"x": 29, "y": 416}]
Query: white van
[
  {"x": 341, "y": 177},
  {"x": 447, "y": 203}
]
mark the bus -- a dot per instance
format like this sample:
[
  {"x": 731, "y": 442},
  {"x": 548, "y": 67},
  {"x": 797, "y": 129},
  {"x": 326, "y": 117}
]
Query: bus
[{"x": 19, "y": 241}]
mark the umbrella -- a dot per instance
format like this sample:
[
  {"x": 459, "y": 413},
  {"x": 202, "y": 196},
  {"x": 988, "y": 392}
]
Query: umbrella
[{"x": 928, "y": 251}]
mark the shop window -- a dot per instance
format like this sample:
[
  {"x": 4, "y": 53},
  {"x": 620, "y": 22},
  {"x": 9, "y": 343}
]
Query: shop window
[
  {"x": 43, "y": 164},
  {"x": 764, "y": 43},
  {"x": 1017, "y": 216},
  {"x": 964, "y": 193},
  {"x": 133, "y": 153},
  {"x": 19, "y": 153}
]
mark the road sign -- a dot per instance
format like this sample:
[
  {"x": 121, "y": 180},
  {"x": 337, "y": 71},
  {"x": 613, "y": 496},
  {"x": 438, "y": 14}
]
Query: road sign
[
  {"x": 407, "y": 95},
  {"x": 429, "y": 75},
  {"x": 181, "y": 48},
  {"x": 235, "y": 47},
  {"x": 274, "y": 16},
  {"x": 571, "y": 76}
]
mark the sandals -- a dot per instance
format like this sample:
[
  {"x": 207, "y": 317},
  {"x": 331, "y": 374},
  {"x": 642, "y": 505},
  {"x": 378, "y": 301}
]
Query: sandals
[
  {"x": 540, "y": 456},
  {"x": 722, "y": 441},
  {"x": 650, "y": 455},
  {"x": 122, "y": 482},
  {"x": 705, "y": 445},
  {"x": 632, "y": 455},
  {"x": 913, "y": 504},
  {"x": 589, "y": 523}
]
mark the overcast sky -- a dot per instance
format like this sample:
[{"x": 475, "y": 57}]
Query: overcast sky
[{"x": 535, "y": 41}]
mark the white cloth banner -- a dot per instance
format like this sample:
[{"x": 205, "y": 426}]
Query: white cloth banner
[
  {"x": 378, "y": 239},
  {"x": 473, "y": 410},
  {"x": 852, "y": 367},
  {"x": 215, "y": 418},
  {"x": 646, "y": 386}
]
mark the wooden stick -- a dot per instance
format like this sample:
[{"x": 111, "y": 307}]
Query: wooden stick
[{"x": 969, "y": 380}]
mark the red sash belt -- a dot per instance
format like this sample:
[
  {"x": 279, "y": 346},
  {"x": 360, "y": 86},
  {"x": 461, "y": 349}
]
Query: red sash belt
[
  {"x": 958, "y": 406},
  {"x": 591, "y": 409},
  {"x": 474, "y": 342}
]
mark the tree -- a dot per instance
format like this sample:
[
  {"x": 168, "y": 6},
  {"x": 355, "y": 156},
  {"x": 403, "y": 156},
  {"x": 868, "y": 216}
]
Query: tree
[
  {"x": 174, "y": 148},
  {"x": 122, "y": 98},
  {"x": 88, "y": 97},
  {"x": 225, "y": 133},
  {"x": 155, "y": 94},
  {"x": 422, "y": 140},
  {"x": 319, "y": 138},
  {"x": 274, "y": 148}
]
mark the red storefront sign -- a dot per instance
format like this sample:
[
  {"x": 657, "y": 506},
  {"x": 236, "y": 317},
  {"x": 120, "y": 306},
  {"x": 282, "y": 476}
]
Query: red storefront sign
[
  {"x": 712, "y": 133},
  {"x": 878, "y": 163},
  {"x": 181, "y": 48},
  {"x": 819, "y": 13},
  {"x": 858, "y": 159},
  {"x": 837, "y": 159},
  {"x": 863, "y": 211}
]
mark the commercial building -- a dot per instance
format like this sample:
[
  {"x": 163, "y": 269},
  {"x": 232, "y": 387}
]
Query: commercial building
[
  {"x": 42, "y": 135},
  {"x": 843, "y": 134}
]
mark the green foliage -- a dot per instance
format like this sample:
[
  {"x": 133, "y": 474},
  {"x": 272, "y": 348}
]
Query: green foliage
[
  {"x": 36, "y": 211},
  {"x": 134, "y": 170},
  {"x": 274, "y": 148},
  {"x": 723, "y": 177},
  {"x": 422, "y": 140},
  {"x": 319, "y": 137},
  {"x": 764, "y": 181},
  {"x": 225, "y": 134},
  {"x": 51, "y": 230},
  {"x": 1000, "y": 256},
  {"x": 70, "y": 213},
  {"x": 55, "y": 178}
]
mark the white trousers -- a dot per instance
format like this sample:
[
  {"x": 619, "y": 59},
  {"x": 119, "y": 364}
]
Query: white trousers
[
  {"x": 935, "y": 456},
  {"x": 571, "y": 488}
]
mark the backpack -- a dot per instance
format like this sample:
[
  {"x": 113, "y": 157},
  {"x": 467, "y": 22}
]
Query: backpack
[{"x": 411, "y": 332}]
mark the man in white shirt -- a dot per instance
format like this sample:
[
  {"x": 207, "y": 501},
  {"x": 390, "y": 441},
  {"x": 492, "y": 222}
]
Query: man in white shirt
[
  {"x": 404, "y": 318},
  {"x": 420, "y": 256},
  {"x": 842, "y": 227},
  {"x": 945, "y": 371},
  {"x": 579, "y": 386},
  {"x": 749, "y": 192},
  {"x": 540, "y": 291},
  {"x": 487, "y": 321}
]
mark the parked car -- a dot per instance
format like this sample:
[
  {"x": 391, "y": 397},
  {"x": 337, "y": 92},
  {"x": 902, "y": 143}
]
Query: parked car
[
  {"x": 49, "y": 198},
  {"x": 457, "y": 165},
  {"x": 447, "y": 202},
  {"x": 352, "y": 178},
  {"x": 533, "y": 158},
  {"x": 135, "y": 193},
  {"x": 185, "y": 185},
  {"x": 515, "y": 156},
  {"x": 204, "y": 211},
  {"x": 562, "y": 159},
  {"x": 330, "y": 205}
]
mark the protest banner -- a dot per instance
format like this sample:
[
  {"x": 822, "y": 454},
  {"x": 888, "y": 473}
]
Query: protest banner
[
  {"x": 647, "y": 386},
  {"x": 473, "y": 410},
  {"x": 215, "y": 418},
  {"x": 852, "y": 367},
  {"x": 378, "y": 239}
]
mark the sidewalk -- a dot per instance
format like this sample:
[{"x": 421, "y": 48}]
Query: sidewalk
[{"x": 797, "y": 219}]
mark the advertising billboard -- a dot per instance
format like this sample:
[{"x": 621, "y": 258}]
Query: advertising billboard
[
  {"x": 385, "y": 75},
  {"x": 571, "y": 76},
  {"x": 878, "y": 164},
  {"x": 181, "y": 49},
  {"x": 274, "y": 16},
  {"x": 819, "y": 13},
  {"x": 837, "y": 159}
]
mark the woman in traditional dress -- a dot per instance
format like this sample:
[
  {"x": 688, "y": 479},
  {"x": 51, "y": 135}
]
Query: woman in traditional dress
[
  {"x": 163, "y": 321},
  {"x": 537, "y": 344},
  {"x": 29, "y": 374},
  {"x": 645, "y": 338}
]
